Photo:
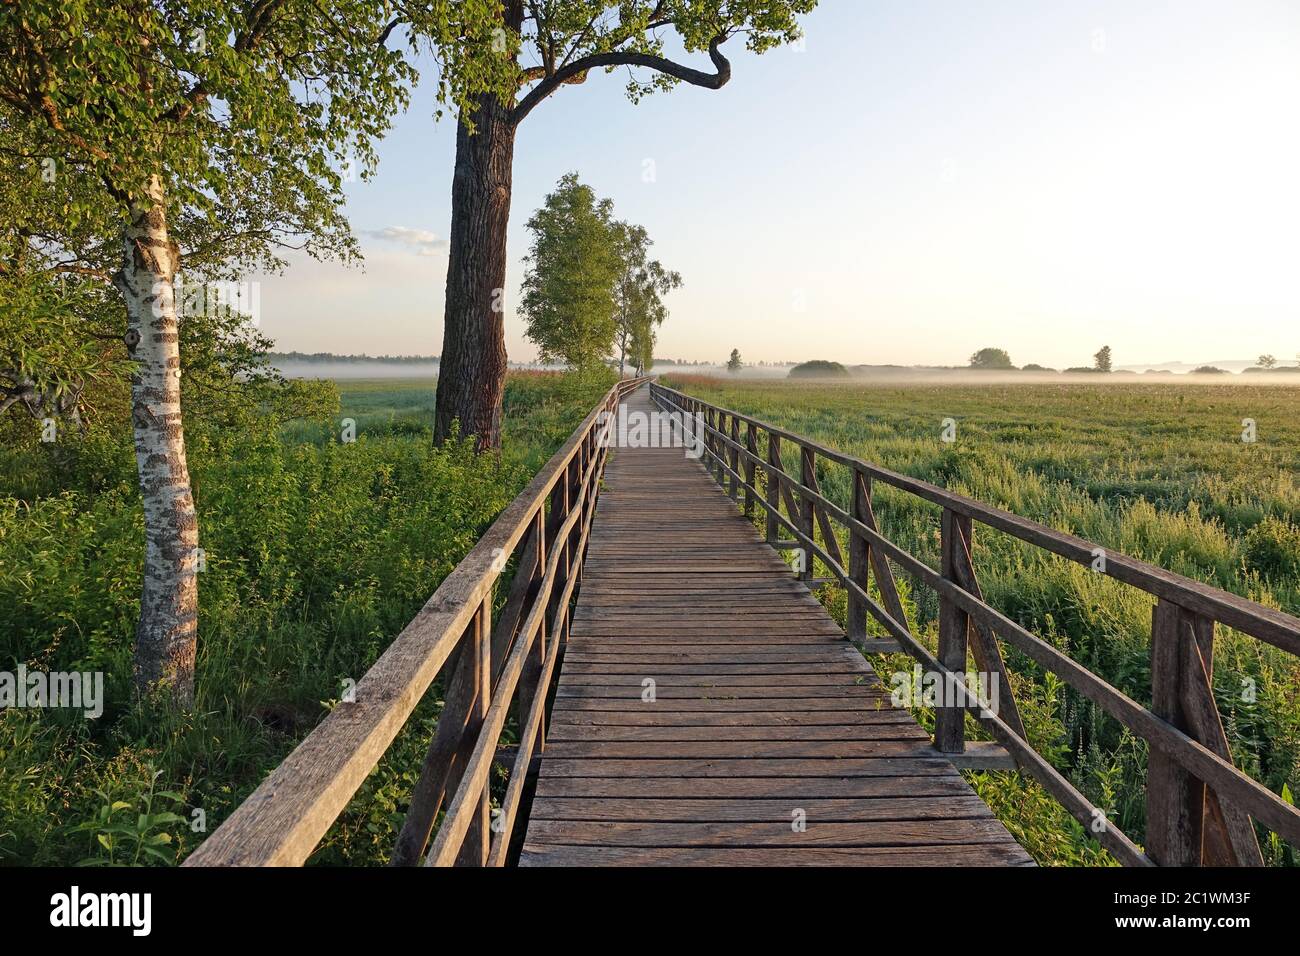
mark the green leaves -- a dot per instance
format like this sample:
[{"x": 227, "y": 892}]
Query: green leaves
[{"x": 573, "y": 266}]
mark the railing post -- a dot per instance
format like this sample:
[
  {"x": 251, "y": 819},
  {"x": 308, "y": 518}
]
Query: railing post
[
  {"x": 711, "y": 416},
  {"x": 859, "y": 557},
  {"x": 751, "y": 445},
  {"x": 1187, "y": 823},
  {"x": 773, "y": 495},
  {"x": 949, "y": 716},
  {"x": 478, "y": 838},
  {"x": 807, "y": 519},
  {"x": 733, "y": 458},
  {"x": 544, "y": 534},
  {"x": 1175, "y": 799}
]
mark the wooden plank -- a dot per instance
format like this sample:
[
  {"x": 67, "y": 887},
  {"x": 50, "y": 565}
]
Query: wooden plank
[
  {"x": 996, "y": 854},
  {"x": 890, "y": 833},
  {"x": 757, "y": 767},
  {"x": 757, "y": 719},
  {"x": 740, "y": 749},
  {"x": 670, "y": 691},
  {"x": 947, "y": 785},
  {"x": 713, "y": 733},
  {"x": 819, "y": 810}
]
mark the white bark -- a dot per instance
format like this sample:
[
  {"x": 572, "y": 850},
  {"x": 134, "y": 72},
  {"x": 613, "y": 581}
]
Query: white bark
[{"x": 167, "y": 633}]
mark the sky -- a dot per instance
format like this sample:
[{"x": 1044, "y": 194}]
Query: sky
[{"x": 920, "y": 179}]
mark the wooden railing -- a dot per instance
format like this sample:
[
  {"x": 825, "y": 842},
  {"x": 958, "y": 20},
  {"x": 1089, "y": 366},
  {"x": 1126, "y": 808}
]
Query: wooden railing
[
  {"x": 487, "y": 666},
  {"x": 1199, "y": 805}
]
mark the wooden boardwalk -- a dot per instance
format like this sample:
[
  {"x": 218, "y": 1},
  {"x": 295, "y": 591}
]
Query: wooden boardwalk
[{"x": 710, "y": 712}]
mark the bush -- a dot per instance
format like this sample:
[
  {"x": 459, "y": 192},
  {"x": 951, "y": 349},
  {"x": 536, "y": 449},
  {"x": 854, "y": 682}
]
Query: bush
[
  {"x": 317, "y": 554},
  {"x": 819, "y": 368}
]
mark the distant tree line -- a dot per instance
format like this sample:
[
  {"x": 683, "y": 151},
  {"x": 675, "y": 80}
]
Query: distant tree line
[{"x": 274, "y": 357}]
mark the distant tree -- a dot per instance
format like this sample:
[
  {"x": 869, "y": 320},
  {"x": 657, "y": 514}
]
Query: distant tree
[
  {"x": 638, "y": 308},
  {"x": 1267, "y": 361},
  {"x": 1101, "y": 359},
  {"x": 1209, "y": 370},
  {"x": 991, "y": 358},
  {"x": 1034, "y": 367},
  {"x": 734, "y": 364},
  {"x": 573, "y": 266},
  {"x": 819, "y": 368}
]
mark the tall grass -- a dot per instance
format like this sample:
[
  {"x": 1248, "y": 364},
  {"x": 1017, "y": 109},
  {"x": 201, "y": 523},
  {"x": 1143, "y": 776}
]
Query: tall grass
[{"x": 317, "y": 553}]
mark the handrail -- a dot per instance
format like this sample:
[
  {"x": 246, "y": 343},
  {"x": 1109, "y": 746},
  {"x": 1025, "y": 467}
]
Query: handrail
[
  {"x": 1183, "y": 729},
  {"x": 284, "y": 819}
]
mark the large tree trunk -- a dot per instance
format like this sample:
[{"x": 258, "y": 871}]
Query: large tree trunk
[
  {"x": 167, "y": 633},
  {"x": 471, "y": 374}
]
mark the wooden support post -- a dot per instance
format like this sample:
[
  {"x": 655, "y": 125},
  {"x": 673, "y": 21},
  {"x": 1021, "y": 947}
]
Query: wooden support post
[
  {"x": 1187, "y": 823},
  {"x": 544, "y": 533},
  {"x": 733, "y": 459},
  {"x": 806, "y": 520},
  {"x": 715, "y": 466},
  {"x": 949, "y": 720},
  {"x": 478, "y": 838},
  {"x": 773, "y": 495},
  {"x": 983, "y": 644},
  {"x": 859, "y": 558},
  {"x": 751, "y": 445}
]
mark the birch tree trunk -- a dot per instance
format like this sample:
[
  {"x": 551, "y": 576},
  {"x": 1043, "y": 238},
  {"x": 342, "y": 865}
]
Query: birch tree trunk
[{"x": 167, "y": 633}]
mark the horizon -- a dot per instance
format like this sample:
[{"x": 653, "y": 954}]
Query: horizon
[{"x": 1138, "y": 193}]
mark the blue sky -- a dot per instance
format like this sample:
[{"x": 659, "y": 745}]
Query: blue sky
[{"x": 920, "y": 180}]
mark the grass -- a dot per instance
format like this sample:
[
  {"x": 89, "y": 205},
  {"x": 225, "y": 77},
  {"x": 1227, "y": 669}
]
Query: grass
[
  {"x": 1159, "y": 472},
  {"x": 318, "y": 552}
]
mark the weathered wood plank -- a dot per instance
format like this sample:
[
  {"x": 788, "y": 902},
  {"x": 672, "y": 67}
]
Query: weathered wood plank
[{"x": 996, "y": 854}]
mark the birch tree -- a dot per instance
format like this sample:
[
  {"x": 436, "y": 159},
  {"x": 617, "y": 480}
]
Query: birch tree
[
  {"x": 639, "y": 308},
  {"x": 225, "y": 129},
  {"x": 573, "y": 267}
]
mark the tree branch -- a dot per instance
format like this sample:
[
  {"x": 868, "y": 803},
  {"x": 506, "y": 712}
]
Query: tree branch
[{"x": 569, "y": 72}]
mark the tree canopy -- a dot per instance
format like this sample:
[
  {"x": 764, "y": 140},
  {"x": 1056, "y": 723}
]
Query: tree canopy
[
  {"x": 991, "y": 358},
  {"x": 639, "y": 308},
  {"x": 572, "y": 268}
]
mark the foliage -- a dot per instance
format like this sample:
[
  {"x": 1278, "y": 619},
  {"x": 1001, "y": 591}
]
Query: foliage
[
  {"x": 819, "y": 368},
  {"x": 991, "y": 358},
  {"x": 1101, "y": 360},
  {"x": 572, "y": 268},
  {"x": 734, "y": 364},
  {"x": 638, "y": 305},
  {"x": 562, "y": 42},
  {"x": 318, "y": 553}
]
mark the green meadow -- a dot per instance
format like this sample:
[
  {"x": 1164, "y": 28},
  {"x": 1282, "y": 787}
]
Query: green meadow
[{"x": 1159, "y": 472}]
